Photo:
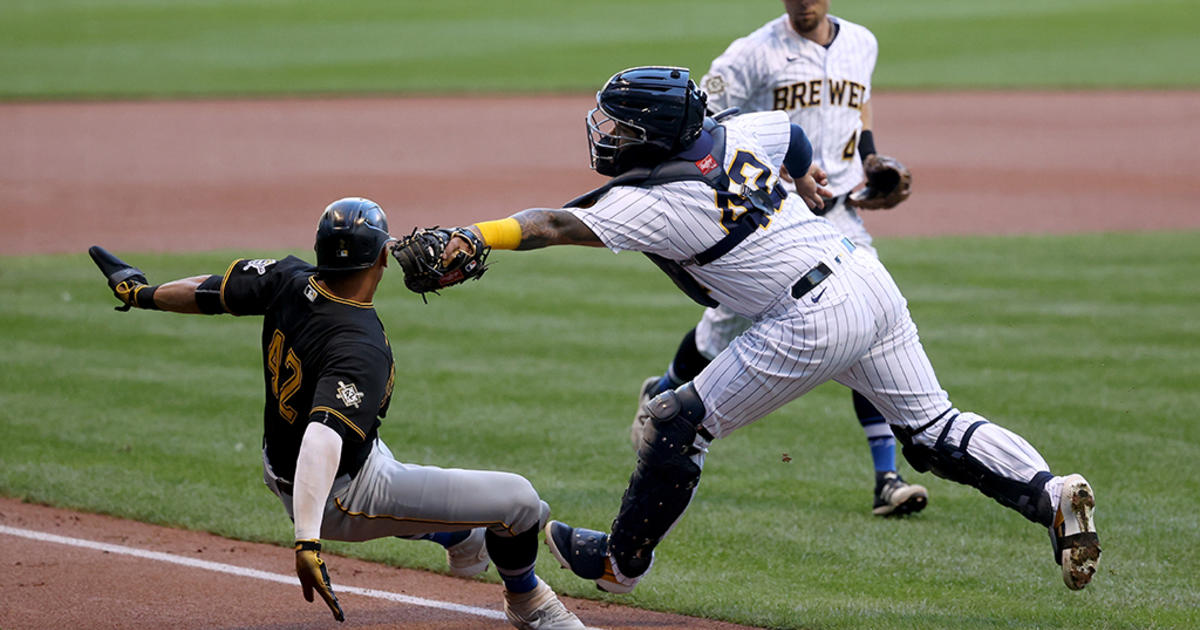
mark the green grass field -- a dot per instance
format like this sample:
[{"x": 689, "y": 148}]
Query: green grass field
[
  {"x": 1086, "y": 345},
  {"x": 51, "y": 49}
]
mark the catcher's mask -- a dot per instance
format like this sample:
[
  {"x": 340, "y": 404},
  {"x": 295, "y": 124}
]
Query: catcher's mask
[
  {"x": 643, "y": 116},
  {"x": 350, "y": 235}
]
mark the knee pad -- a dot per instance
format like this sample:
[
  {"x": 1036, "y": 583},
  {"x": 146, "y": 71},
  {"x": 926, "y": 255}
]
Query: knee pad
[
  {"x": 663, "y": 482},
  {"x": 949, "y": 456},
  {"x": 675, "y": 417}
]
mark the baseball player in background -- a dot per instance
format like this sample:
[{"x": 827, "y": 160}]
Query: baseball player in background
[
  {"x": 329, "y": 375},
  {"x": 817, "y": 68},
  {"x": 702, "y": 199}
]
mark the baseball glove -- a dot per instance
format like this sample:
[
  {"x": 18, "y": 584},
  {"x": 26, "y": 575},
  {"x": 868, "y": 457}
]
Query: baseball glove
[
  {"x": 420, "y": 256},
  {"x": 888, "y": 183}
]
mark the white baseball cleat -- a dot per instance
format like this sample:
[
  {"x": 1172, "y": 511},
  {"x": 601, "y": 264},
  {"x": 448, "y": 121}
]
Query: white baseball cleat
[
  {"x": 539, "y": 609},
  {"x": 469, "y": 557},
  {"x": 896, "y": 497},
  {"x": 642, "y": 415},
  {"x": 1073, "y": 534}
]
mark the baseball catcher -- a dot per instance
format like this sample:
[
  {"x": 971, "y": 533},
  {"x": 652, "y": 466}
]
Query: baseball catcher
[
  {"x": 427, "y": 268},
  {"x": 888, "y": 184}
]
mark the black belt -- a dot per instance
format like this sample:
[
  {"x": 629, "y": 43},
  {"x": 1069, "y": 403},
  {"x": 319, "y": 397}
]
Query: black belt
[
  {"x": 817, "y": 274},
  {"x": 829, "y": 204},
  {"x": 284, "y": 485}
]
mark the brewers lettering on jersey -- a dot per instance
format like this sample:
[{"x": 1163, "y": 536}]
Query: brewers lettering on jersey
[
  {"x": 821, "y": 309},
  {"x": 822, "y": 89},
  {"x": 817, "y": 68}
]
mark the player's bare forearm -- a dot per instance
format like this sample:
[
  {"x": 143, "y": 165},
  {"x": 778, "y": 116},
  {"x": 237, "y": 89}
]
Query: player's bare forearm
[
  {"x": 541, "y": 227},
  {"x": 179, "y": 296}
]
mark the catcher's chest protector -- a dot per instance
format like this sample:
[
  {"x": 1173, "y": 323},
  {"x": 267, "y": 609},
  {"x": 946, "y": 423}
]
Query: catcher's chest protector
[{"x": 757, "y": 202}]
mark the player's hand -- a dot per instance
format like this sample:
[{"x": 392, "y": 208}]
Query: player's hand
[
  {"x": 312, "y": 573},
  {"x": 811, "y": 190},
  {"x": 457, "y": 244},
  {"x": 818, "y": 175},
  {"x": 124, "y": 279}
]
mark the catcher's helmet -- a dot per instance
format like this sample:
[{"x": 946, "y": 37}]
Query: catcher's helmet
[
  {"x": 350, "y": 235},
  {"x": 643, "y": 116}
]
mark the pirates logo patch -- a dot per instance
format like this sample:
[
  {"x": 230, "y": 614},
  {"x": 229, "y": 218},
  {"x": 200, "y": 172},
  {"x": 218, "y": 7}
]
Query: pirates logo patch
[
  {"x": 349, "y": 394},
  {"x": 259, "y": 264}
]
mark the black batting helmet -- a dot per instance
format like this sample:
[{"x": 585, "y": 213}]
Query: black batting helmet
[
  {"x": 350, "y": 235},
  {"x": 643, "y": 116}
]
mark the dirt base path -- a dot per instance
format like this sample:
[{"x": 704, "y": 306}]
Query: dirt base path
[
  {"x": 176, "y": 176},
  {"x": 51, "y": 584}
]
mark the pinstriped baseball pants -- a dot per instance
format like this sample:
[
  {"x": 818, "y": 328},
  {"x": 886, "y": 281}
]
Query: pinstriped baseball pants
[{"x": 853, "y": 328}]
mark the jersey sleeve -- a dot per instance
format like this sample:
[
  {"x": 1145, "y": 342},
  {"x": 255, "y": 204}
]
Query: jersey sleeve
[
  {"x": 869, "y": 59},
  {"x": 351, "y": 389},
  {"x": 734, "y": 77},
  {"x": 249, "y": 284},
  {"x": 625, "y": 219},
  {"x": 773, "y": 130}
]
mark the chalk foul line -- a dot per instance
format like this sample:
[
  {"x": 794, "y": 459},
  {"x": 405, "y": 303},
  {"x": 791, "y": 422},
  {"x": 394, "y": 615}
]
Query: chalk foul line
[{"x": 249, "y": 573}]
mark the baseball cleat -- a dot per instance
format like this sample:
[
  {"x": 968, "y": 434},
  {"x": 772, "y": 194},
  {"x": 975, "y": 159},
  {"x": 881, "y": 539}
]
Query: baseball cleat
[
  {"x": 585, "y": 553},
  {"x": 642, "y": 415},
  {"x": 469, "y": 557},
  {"x": 1073, "y": 534},
  {"x": 539, "y": 609},
  {"x": 896, "y": 497}
]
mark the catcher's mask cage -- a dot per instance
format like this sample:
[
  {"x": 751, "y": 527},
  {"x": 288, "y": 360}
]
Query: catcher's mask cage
[
  {"x": 351, "y": 233},
  {"x": 642, "y": 116}
]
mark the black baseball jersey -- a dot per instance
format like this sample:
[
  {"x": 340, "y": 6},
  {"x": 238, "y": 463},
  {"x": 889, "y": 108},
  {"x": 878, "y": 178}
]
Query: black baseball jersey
[{"x": 325, "y": 359}]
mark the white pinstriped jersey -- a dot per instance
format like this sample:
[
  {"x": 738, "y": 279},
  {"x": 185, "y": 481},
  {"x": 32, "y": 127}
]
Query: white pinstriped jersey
[
  {"x": 681, "y": 219},
  {"x": 822, "y": 89}
]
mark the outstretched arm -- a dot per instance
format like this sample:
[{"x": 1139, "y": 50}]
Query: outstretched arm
[{"x": 528, "y": 229}]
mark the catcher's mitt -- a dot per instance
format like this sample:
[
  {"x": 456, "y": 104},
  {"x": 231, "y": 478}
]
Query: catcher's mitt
[
  {"x": 888, "y": 183},
  {"x": 420, "y": 256}
]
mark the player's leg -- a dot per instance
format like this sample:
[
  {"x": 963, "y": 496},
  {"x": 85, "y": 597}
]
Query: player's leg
[
  {"x": 391, "y": 498},
  {"x": 893, "y": 495},
  {"x": 741, "y": 385},
  {"x": 897, "y": 377},
  {"x": 712, "y": 334},
  {"x": 662, "y": 485}
]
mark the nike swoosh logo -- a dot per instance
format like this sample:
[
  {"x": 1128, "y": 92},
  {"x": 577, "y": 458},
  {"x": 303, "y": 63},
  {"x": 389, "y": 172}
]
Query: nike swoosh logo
[
  {"x": 791, "y": 59},
  {"x": 817, "y": 298}
]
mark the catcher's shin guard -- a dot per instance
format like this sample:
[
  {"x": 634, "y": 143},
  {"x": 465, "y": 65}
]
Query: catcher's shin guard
[
  {"x": 970, "y": 450},
  {"x": 663, "y": 483}
]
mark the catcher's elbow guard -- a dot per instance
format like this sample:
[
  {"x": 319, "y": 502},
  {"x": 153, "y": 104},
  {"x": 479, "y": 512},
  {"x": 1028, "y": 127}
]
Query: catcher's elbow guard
[{"x": 501, "y": 234}]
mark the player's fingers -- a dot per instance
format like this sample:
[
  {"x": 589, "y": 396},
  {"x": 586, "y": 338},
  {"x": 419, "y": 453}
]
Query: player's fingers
[
  {"x": 452, "y": 248},
  {"x": 818, "y": 174},
  {"x": 331, "y": 600}
]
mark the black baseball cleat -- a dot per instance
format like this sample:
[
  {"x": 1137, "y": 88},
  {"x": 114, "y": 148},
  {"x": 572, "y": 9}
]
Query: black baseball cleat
[
  {"x": 896, "y": 497},
  {"x": 585, "y": 553},
  {"x": 1073, "y": 534}
]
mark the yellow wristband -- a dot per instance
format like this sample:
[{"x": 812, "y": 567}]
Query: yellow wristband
[{"x": 501, "y": 234}]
